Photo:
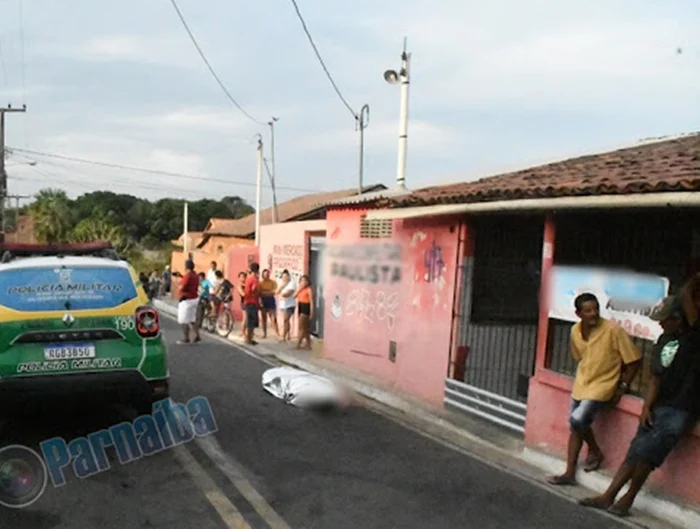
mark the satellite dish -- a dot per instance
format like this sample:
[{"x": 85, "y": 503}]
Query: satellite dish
[{"x": 391, "y": 77}]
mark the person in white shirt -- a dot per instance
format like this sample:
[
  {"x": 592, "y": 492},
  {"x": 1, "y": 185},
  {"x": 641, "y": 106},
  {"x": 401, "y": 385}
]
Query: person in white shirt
[
  {"x": 211, "y": 274},
  {"x": 287, "y": 303}
]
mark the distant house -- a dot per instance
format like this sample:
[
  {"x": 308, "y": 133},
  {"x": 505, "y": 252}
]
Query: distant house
[
  {"x": 23, "y": 232},
  {"x": 306, "y": 207},
  {"x": 193, "y": 239}
]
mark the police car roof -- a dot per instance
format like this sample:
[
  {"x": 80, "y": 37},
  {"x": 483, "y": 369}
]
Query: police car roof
[{"x": 68, "y": 261}]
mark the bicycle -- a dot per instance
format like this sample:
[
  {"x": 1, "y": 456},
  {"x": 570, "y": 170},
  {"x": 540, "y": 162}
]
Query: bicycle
[{"x": 221, "y": 322}]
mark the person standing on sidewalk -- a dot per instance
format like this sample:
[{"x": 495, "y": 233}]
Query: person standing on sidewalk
[
  {"x": 288, "y": 303},
  {"x": 305, "y": 300},
  {"x": 251, "y": 298},
  {"x": 608, "y": 362},
  {"x": 671, "y": 407},
  {"x": 240, "y": 290},
  {"x": 268, "y": 303},
  {"x": 189, "y": 301}
]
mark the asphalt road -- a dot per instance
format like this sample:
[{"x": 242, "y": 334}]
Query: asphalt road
[{"x": 273, "y": 466}]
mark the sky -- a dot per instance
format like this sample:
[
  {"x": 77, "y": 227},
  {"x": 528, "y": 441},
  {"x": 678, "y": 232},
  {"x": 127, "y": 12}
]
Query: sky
[{"x": 495, "y": 86}]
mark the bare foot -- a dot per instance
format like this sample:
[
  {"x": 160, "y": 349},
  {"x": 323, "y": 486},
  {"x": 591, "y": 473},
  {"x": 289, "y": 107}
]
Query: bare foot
[
  {"x": 561, "y": 480},
  {"x": 596, "y": 502}
]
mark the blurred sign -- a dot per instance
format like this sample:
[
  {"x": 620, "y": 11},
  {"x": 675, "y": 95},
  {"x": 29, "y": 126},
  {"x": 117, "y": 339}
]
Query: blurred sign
[{"x": 625, "y": 297}]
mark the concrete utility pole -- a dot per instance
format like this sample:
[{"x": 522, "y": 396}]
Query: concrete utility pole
[
  {"x": 258, "y": 192},
  {"x": 274, "y": 169},
  {"x": 3, "y": 173}
]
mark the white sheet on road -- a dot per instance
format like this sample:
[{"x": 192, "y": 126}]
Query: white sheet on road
[{"x": 301, "y": 388}]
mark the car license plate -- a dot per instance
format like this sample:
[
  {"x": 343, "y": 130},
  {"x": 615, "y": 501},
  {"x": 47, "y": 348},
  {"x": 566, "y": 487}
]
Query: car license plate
[{"x": 69, "y": 351}]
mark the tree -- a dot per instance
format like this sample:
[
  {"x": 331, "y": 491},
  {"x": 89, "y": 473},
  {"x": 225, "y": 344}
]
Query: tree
[
  {"x": 53, "y": 216},
  {"x": 100, "y": 229}
]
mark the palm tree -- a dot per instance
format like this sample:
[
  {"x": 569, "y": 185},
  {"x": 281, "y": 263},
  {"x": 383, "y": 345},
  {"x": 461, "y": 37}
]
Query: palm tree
[
  {"x": 52, "y": 214},
  {"x": 99, "y": 230}
]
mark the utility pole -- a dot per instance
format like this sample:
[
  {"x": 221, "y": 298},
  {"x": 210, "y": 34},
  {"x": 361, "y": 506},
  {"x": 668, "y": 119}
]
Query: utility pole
[
  {"x": 362, "y": 123},
  {"x": 274, "y": 168},
  {"x": 185, "y": 227},
  {"x": 3, "y": 173},
  {"x": 258, "y": 192}
]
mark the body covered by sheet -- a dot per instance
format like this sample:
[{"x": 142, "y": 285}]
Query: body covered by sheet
[{"x": 303, "y": 389}]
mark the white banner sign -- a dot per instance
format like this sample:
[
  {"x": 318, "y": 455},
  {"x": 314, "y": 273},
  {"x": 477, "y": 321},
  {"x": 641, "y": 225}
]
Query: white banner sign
[{"x": 625, "y": 297}]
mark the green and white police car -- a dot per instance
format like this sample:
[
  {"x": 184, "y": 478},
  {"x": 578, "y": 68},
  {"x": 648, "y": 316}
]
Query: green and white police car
[{"x": 75, "y": 320}]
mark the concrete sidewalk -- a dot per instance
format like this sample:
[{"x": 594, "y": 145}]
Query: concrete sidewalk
[{"x": 478, "y": 438}]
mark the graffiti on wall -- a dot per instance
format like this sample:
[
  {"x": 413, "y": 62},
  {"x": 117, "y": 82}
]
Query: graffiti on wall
[
  {"x": 434, "y": 262},
  {"x": 373, "y": 263},
  {"x": 290, "y": 257},
  {"x": 372, "y": 307}
]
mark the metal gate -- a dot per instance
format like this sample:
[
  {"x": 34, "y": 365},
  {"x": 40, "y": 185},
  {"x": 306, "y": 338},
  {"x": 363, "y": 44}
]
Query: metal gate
[
  {"x": 317, "y": 250},
  {"x": 498, "y": 320}
]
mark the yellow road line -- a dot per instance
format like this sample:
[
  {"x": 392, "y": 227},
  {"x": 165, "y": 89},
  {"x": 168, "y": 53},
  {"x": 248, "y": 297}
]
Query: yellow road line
[
  {"x": 212, "y": 448},
  {"x": 227, "y": 511}
]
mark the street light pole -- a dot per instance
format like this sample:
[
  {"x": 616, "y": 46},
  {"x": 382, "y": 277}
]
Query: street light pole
[
  {"x": 393, "y": 77},
  {"x": 362, "y": 121}
]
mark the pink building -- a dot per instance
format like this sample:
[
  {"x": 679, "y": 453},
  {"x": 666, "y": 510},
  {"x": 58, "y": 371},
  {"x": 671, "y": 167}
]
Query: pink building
[{"x": 442, "y": 292}]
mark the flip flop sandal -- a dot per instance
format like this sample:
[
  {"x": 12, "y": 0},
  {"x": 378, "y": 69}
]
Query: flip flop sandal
[
  {"x": 560, "y": 480},
  {"x": 620, "y": 513},
  {"x": 592, "y": 464},
  {"x": 591, "y": 503}
]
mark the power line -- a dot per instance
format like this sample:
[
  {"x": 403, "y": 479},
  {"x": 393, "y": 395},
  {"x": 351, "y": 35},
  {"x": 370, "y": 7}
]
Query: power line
[
  {"x": 151, "y": 171},
  {"x": 320, "y": 60},
  {"x": 211, "y": 69}
]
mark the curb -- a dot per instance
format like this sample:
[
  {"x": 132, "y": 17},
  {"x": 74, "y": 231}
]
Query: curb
[
  {"x": 649, "y": 504},
  {"x": 645, "y": 502}
]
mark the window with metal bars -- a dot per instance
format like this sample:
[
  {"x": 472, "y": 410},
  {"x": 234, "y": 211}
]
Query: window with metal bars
[
  {"x": 376, "y": 228},
  {"x": 652, "y": 242}
]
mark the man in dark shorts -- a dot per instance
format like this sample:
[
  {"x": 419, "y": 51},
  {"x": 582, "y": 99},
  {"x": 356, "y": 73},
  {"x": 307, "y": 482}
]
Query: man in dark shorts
[
  {"x": 251, "y": 300},
  {"x": 671, "y": 407}
]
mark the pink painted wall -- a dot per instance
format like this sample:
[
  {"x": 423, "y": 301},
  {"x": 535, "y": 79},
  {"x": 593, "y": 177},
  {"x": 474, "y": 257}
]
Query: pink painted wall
[
  {"x": 286, "y": 245},
  {"x": 239, "y": 258},
  {"x": 399, "y": 289},
  {"x": 547, "y": 428}
]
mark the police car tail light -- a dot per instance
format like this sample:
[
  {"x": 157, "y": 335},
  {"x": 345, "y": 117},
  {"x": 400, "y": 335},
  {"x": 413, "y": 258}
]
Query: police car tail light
[{"x": 147, "y": 322}]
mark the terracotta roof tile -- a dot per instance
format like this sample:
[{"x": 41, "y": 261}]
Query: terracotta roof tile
[
  {"x": 293, "y": 209},
  {"x": 662, "y": 166}
]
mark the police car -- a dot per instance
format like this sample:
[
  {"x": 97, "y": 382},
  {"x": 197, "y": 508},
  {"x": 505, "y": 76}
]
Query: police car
[{"x": 74, "y": 319}]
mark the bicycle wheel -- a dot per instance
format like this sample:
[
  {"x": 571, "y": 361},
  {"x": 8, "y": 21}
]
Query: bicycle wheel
[{"x": 224, "y": 324}]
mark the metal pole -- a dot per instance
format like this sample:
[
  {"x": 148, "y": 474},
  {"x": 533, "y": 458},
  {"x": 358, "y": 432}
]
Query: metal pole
[
  {"x": 258, "y": 192},
  {"x": 362, "y": 123},
  {"x": 403, "y": 123}
]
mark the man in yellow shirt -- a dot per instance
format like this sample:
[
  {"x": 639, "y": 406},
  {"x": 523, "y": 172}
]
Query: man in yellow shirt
[{"x": 608, "y": 362}]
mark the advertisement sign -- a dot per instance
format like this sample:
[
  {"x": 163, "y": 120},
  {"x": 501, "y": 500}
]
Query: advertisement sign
[{"x": 625, "y": 297}]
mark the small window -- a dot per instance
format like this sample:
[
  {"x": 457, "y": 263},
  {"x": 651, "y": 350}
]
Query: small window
[
  {"x": 220, "y": 249},
  {"x": 376, "y": 228},
  {"x": 38, "y": 289}
]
